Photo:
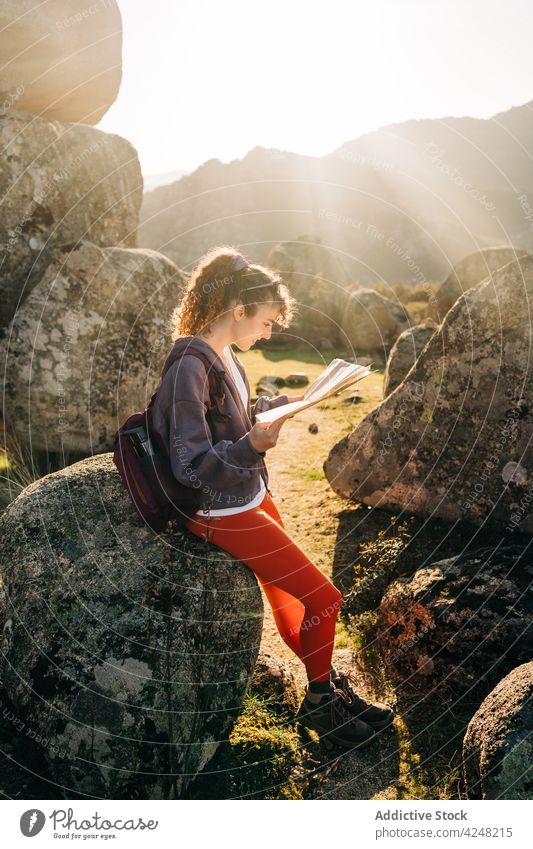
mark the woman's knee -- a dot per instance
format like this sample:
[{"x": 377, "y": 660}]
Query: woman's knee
[
  {"x": 325, "y": 601},
  {"x": 336, "y": 598}
]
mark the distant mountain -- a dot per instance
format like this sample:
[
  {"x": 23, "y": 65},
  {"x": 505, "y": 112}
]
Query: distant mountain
[
  {"x": 152, "y": 181},
  {"x": 402, "y": 203}
]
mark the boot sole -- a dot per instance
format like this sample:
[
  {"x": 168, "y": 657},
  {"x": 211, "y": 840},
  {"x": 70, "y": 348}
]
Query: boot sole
[{"x": 329, "y": 736}]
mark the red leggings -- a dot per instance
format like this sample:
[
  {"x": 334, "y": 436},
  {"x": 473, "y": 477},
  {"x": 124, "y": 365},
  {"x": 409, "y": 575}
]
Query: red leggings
[{"x": 305, "y": 603}]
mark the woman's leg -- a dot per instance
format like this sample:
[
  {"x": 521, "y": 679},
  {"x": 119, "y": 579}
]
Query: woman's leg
[
  {"x": 287, "y": 610},
  {"x": 259, "y": 541}
]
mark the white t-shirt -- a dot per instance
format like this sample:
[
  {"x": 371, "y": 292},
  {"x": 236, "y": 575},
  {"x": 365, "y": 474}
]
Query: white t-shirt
[{"x": 241, "y": 387}]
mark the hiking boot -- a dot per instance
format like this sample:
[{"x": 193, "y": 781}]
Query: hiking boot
[
  {"x": 332, "y": 720},
  {"x": 376, "y": 714}
]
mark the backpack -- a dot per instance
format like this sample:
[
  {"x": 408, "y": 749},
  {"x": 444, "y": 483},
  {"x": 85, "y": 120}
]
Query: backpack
[{"x": 144, "y": 463}]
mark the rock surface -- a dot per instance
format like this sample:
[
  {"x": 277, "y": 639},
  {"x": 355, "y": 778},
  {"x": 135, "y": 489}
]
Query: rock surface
[
  {"x": 60, "y": 183},
  {"x": 404, "y": 354},
  {"x": 498, "y": 744},
  {"x": 454, "y": 439},
  {"x": 468, "y": 272},
  {"x": 457, "y": 625},
  {"x": 128, "y": 652},
  {"x": 372, "y": 323},
  {"x": 61, "y": 59},
  {"x": 87, "y": 346},
  {"x": 274, "y": 680},
  {"x": 318, "y": 281}
]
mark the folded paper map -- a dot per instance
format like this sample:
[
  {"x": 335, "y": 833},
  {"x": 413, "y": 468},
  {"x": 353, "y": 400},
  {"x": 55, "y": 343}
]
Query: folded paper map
[{"x": 338, "y": 375}]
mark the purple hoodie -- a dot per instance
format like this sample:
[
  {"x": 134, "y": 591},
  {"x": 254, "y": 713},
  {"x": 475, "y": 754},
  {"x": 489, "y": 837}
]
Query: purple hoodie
[{"x": 221, "y": 461}]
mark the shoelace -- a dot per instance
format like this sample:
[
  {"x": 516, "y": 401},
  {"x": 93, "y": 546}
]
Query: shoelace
[
  {"x": 343, "y": 682},
  {"x": 339, "y": 707}
]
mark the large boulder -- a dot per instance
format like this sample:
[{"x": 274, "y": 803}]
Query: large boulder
[
  {"x": 456, "y": 626},
  {"x": 61, "y": 59},
  {"x": 371, "y": 323},
  {"x": 317, "y": 279},
  {"x": 454, "y": 439},
  {"x": 87, "y": 345},
  {"x": 60, "y": 183},
  {"x": 301, "y": 260},
  {"x": 466, "y": 273},
  {"x": 404, "y": 354},
  {"x": 129, "y": 652},
  {"x": 498, "y": 744}
]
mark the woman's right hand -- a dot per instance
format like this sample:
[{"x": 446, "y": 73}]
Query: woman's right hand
[{"x": 264, "y": 435}]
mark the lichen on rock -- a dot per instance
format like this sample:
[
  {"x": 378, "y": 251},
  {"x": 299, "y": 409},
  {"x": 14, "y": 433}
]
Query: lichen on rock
[
  {"x": 437, "y": 446},
  {"x": 131, "y": 652}
]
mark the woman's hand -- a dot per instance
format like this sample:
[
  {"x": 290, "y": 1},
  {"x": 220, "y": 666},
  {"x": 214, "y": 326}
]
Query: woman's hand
[
  {"x": 295, "y": 398},
  {"x": 264, "y": 435}
]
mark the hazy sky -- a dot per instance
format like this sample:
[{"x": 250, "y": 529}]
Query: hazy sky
[{"x": 207, "y": 78}]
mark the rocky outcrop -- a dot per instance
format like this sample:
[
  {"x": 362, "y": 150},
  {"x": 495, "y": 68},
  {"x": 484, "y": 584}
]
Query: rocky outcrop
[
  {"x": 454, "y": 439},
  {"x": 498, "y": 744},
  {"x": 456, "y": 626},
  {"x": 404, "y": 353},
  {"x": 371, "y": 323},
  {"x": 303, "y": 259},
  {"x": 130, "y": 653},
  {"x": 87, "y": 346},
  {"x": 468, "y": 272},
  {"x": 62, "y": 59},
  {"x": 60, "y": 183},
  {"x": 318, "y": 281}
]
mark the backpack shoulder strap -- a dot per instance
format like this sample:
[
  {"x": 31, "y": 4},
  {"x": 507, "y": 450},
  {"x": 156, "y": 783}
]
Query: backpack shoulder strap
[{"x": 216, "y": 384}]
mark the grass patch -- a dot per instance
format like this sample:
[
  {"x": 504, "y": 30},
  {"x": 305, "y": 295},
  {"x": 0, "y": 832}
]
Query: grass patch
[
  {"x": 257, "y": 761},
  {"x": 18, "y": 469},
  {"x": 312, "y": 474}
]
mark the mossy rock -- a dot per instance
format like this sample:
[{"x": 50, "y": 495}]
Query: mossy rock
[
  {"x": 498, "y": 744},
  {"x": 454, "y": 627},
  {"x": 466, "y": 273},
  {"x": 62, "y": 182},
  {"x": 371, "y": 322},
  {"x": 275, "y": 683},
  {"x": 404, "y": 354},
  {"x": 454, "y": 439},
  {"x": 259, "y": 760},
  {"x": 128, "y": 651},
  {"x": 85, "y": 345}
]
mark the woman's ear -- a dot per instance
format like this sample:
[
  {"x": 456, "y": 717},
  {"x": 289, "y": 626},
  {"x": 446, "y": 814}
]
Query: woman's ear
[{"x": 239, "y": 312}]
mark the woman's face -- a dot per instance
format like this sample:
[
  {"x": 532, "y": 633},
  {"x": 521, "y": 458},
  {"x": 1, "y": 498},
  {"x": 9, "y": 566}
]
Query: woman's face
[{"x": 247, "y": 329}]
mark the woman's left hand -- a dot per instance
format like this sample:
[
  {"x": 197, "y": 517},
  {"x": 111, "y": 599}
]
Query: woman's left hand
[{"x": 295, "y": 398}]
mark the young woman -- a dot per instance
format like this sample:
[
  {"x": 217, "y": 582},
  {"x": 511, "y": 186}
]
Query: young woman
[{"x": 230, "y": 301}]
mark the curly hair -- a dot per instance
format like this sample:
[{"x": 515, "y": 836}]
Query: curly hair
[{"x": 214, "y": 287}]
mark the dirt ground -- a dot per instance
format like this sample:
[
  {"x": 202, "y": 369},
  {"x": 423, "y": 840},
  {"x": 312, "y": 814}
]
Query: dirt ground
[{"x": 310, "y": 511}]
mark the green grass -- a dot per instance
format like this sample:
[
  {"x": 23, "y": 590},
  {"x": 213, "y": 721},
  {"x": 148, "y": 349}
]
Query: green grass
[
  {"x": 418, "y": 310},
  {"x": 312, "y": 474},
  {"x": 17, "y": 470},
  {"x": 258, "y": 759}
]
